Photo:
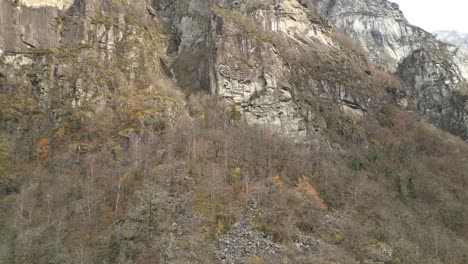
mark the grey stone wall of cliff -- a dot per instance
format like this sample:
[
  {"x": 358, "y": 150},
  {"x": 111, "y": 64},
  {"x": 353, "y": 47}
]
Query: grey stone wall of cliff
[
  {"x": 272, "y": 59},
  {"x": 438, "y": 89},
  {"x": 392, "y": 42},
  {"x": 275, "y": 60},
  {"x": 85, "y": 57},
  {"x": 380, "y": 26},
  {"x": 383, "y": 30},
  {"x": 23, "y": 27},
  {"x": 29, "y": 24}
]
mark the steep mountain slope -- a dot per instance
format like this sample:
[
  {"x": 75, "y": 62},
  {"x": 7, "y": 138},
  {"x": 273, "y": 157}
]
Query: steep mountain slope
[
  {"x": 389, "y": 40},
  {"x": 201, "y": 131},
  {"x": 453, "y": 37}
]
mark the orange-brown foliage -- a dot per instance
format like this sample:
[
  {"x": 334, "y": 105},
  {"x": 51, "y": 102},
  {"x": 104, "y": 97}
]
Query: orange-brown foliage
[
  {"x": 43, "y": 150},
  {"x": 304, "y": 185}
]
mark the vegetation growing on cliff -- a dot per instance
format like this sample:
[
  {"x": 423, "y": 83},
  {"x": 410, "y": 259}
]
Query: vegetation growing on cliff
[{"x": 103, "y": 159}]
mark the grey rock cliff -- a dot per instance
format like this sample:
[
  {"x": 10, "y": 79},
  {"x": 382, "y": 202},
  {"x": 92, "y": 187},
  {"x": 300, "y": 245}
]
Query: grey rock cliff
[
  {"x": 438, "y": 89},
  {"x": 82, "y": 56},
  {"x": 392, "y": 42},
  {"x": 273, "y": 59},
  {"x": 277, "y": 61},
  {"x": 380, "y": 26}
]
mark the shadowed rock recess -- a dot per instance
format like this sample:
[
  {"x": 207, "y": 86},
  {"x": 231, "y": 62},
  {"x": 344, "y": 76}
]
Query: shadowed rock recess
[{"x": 221, "y": 131}]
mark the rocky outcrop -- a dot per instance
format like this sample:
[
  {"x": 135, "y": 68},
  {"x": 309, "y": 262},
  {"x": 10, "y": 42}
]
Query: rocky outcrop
[
  {"x": 276, "y": 61},
  {"x": 383, "y": 31},
  {"x": 85, "y": 49},
  {"x": 390, "y": 40},
  {"x": 380, "y": 26},
  {"x": 23, "y": 27},
  {"x": 250, "y": 70},
  {"x": 438, "y": 89}
]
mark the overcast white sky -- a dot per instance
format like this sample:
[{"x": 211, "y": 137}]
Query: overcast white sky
[{"x": 434, "y": 15}]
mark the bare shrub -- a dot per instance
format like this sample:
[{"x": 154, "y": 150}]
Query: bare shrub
[{"x": 347, "y": 42}]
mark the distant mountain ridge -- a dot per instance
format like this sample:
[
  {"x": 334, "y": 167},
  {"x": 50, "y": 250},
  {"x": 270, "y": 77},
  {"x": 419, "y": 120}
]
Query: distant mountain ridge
[{"x": 454, "y": 37}]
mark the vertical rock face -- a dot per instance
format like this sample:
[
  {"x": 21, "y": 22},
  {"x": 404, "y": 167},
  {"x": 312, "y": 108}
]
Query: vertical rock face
[
  {"x": 277, "y": 61},
  {"x": 438, "y": 89},
  {"x": 84, "y": 56},
  {"x": 383, "y": 30},
  {"x": 250, "y": 70},
  {"x": 435, "y": 72},
  {"x": 24, "y": 26},
  {"x": 273, "y": 59},
  {"x": 379, "y": 25}
]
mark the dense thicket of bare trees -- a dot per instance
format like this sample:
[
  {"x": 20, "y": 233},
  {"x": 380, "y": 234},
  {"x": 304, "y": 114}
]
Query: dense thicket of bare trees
[{"x": 406, "y": 186}]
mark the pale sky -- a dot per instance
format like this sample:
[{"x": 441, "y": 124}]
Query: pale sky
[{"x": 434, "y": 15}]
